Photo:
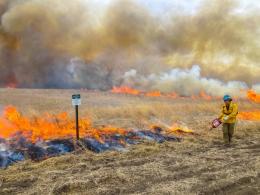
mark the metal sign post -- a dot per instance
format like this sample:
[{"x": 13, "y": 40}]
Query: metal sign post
[{"x": 76, "y": 101}]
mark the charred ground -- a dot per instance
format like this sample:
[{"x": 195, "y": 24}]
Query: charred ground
[{"x": 198, "y": 165}]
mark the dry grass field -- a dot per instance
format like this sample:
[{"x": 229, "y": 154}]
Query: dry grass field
[{"x": 200, "y": 164}]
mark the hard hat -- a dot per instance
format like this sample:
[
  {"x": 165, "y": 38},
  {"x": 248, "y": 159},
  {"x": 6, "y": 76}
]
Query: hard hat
[{"x": 227, "y": 98}]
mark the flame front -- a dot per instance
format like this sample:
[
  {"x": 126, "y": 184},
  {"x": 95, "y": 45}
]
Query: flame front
[
  {"x": 205, "y": 96},
  {"x": 153, "y": 94},
  {"x": 253, "y": 96},
  {"x": 179, "y": 129},
  {"x": 125, "y": 90},
  {"x": 252, "y": 115},
  {"x": 59, "y": 126},
  {"x": 157, "y": 93},
  {"x": 49, "y": 126}
]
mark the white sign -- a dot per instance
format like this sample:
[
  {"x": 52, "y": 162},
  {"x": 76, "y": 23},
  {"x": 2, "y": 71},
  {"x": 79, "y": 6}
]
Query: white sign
[{"x": 76, "y": 101}]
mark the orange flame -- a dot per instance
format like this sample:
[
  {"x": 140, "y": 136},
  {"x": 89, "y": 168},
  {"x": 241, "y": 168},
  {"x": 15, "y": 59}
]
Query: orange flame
[
  {"x": 173, "y": 95},
  {"x": 179, "y": 129},
  {"x": 153, "y": 94},
  {"x": 132, "y": 91},
  {"x": 253, "y": 115},
  {"x": 49, "y": 126},
  {"x": 205, "y": 96},
  {"x": 194, "y": 97},
  {"x": 125, "y": 90},
  {"x": 253, "y": 96}
]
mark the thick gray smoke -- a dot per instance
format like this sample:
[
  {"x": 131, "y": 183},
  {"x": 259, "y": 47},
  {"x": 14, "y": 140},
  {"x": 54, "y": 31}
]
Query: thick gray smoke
[{"x": 71, "y": 44}]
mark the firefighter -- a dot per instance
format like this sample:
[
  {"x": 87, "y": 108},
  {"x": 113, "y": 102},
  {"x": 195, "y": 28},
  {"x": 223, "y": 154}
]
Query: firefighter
[{"x": 228, "y": 115}]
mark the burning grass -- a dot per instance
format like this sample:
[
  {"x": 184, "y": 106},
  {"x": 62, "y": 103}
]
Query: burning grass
[
  {"x": 50, "y": 135},
  {"x": 253, "y": 96},
  {"x": 252, "y": 115},
  {"x": 48, "y": 126},
  {"x": 198, "y": 164}
]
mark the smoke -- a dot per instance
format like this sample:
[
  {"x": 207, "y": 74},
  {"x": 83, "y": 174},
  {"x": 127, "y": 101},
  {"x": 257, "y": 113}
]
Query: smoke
[
  {"x": 184, "y": 82},
  {"x": 71, "y": 44},
  {"x": 256, "y": 88}
]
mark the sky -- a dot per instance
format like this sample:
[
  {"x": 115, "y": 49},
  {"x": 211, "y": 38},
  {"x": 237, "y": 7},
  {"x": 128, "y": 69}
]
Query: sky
[{"x": 188, "y": 6}]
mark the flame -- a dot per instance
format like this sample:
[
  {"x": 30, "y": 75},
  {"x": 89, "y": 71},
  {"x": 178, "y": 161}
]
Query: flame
[
  {"x": 252, "y": 115},
  {"x": 58, "y": 126},
  {"x": 202, "y": 95},
  {"x": 157, "y": 93},
  {"x": 175, "y": 129},
  {"x": 173, "y": 95},
  {"x": 49, "y": 126},
  {"x": 253, "y": 96},
  {"x": 153, "y": 94},
  {"x": 194, "y": 97},
  {"x": 205, "y": 96},
  {"x": 125, "y": 90},
  {"x": 179, "y": 129}
]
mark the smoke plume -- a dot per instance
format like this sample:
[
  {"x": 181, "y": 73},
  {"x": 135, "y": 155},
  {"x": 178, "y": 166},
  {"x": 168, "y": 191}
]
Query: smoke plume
[{"x": 71, "y": 44}]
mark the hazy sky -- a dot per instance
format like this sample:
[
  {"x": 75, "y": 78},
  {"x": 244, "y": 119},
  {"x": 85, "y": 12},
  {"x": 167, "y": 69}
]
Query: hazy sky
[{"x": 189, "y": 6}]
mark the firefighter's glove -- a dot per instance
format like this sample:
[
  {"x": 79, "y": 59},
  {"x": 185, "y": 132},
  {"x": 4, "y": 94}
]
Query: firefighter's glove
[{"x": 226, "y": 118}]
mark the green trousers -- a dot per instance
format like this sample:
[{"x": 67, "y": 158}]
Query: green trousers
[{"x": 228, "y": 131}]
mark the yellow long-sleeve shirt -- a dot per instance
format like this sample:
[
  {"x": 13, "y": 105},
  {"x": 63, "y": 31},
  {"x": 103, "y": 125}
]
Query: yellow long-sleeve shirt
[{"x": 231, "y": 112}]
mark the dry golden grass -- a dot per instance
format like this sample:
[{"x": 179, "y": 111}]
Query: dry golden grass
[{"x": 198, "y": 165}]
